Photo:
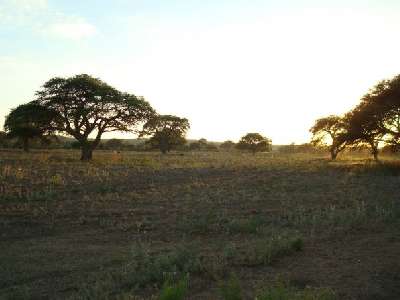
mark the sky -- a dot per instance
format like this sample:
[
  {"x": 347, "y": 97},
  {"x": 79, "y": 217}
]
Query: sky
[{"x": 229, "y": 66}]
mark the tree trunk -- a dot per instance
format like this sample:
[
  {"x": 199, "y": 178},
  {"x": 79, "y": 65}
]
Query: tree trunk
[
  {"x": 333, "y": 154},
  {"x": 374, "y": 150},
  {"x": 375, "y": 153},
  {"x": 25, "y": 144},
  {"x": 87, "y": 153}
]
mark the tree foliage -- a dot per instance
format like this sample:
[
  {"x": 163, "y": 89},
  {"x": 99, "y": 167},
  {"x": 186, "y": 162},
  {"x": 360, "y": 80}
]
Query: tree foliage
[
  {"x": 3, "y": 139},
  {"x": 362, "y": 129},
  {"x": 166, "y": 132},
  {"x": 376, "y": 119},
  {"x": 380, "y": 109},
  {"x": 254, "y": 142},
  {"x": 87, "y": 106},
  {"x": 331, "y": 132},
  {"x": 227, "y": 145},
  {"x": 29, "y": 121}
]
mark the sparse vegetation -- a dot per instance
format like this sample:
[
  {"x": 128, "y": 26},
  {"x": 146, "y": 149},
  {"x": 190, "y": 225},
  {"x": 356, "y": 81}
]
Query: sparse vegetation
[
  {"x": 133, "y": 225},
  {"x": 283, "y": 291},
  {"x": 231, "y": 290},
  {"x": 174, "y": 291}
]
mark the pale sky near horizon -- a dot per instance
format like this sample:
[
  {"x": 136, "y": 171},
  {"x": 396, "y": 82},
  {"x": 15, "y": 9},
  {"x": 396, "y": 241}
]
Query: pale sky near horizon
[{"x": 229, "y": 66}]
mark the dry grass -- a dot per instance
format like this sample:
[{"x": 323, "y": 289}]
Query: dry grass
[{"x": 68, "y": 228}]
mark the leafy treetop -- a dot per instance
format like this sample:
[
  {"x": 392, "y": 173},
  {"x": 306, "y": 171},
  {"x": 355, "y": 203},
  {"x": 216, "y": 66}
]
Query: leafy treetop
[{"x": 85, "y": 105}]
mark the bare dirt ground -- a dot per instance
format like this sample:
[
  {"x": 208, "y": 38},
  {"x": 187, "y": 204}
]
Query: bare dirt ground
[{"x": 73, "y": 230}]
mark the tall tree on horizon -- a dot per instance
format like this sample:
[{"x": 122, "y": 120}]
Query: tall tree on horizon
[
  {"x": 87, "y": 106},
  {"x": 330, "y": 132},
  {"x": 254, "y": 142},
  {"x": 29, "y": 121},
  {"x": 166, "y": 132}
]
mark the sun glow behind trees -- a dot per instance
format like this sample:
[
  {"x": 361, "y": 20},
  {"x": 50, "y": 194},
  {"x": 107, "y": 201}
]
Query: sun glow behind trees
[{"x": 267, "y": 67}]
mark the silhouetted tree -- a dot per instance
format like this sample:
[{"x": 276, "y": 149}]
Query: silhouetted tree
[
  {"x": 29, "y": 121},
  {"x": 87, "y": 105},
  {"x": 380, "y": 111},
  {"x": 3, "y": 139},
  {"x": 363, "y": 128},
  {"x": 227, "y": 145},
  {"x": 254, "y": 142},
  {"x": 166, "y": 132},
  {"x": 330, "y": 131}
]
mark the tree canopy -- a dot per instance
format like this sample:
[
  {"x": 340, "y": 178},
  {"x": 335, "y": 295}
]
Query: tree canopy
[
  {"x": 86, "y": 106},
  {"x": 29, "y": 121},
  {"x": 375, "y": 120},
  {"x": 331, "y": 132},
  {"x": 254, "y": 142},
  {"x": 380, "y": 109},
  {"x": 3, "y": 139},
  {"x": 166, "y": 132},
  {"x": 362, "y": 129},
  {"x": 227, "y": 145}
]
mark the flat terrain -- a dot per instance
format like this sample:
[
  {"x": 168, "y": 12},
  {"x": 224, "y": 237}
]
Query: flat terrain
[{"x": 120, "y": 226}]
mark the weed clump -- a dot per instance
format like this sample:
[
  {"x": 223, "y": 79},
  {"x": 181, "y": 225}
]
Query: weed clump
[
  {"x": 174, "y": 291},
  {"x": 231, "y": 289},
  {"x": 266, "y": 251},
  {"x": 283, "y": 291},
  {"x": 145, "y": 268}
]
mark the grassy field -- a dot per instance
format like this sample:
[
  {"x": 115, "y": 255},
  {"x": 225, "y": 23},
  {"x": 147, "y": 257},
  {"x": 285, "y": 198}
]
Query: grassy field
[{"x": 198, "y": 226}]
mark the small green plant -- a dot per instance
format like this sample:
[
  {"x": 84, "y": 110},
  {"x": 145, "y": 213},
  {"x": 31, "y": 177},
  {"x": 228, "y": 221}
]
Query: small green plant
[
  {"x": 231, "y": 289},
  {"x": 145, "y": 268},
  {"x": 252, "y": 225},
  {"x": 197, "y": 225},
  {"x": 174, "y": 291},
  {"x": 266, "y": 251},
  {"x": 281, "y": 290}
]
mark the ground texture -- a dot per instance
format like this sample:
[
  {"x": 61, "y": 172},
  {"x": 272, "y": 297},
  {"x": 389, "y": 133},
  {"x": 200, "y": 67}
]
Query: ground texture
[{"x": 121, "y": 226}]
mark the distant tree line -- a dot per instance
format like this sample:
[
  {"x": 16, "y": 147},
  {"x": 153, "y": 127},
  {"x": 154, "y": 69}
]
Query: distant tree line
[
  {"x": 141, "y": 144},
  {"x": 374, "y": 123},
  {"x": 85, "y": 108}
]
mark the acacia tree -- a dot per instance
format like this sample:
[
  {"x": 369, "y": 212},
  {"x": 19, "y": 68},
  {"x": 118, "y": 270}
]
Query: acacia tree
[
  {"x": 3, "y": 139},
  {"x": 29, "y": 121},
  {"x": 331, "y": 128},
  {"x": 363, "y": 128},
  {"x": 227, "y": 145},
  {"x": 381, "y": 110},
  {"x": 254, "y": 142},
  {"x": 166, "y": 132},
  {"x": 87, "y": 106}
]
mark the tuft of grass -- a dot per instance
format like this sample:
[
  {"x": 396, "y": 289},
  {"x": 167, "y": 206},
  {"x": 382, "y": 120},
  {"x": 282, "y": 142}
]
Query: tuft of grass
[
  {"x": 252, "y": 225},
  {"x": 197, "y": 225},
  {"x": 283, "y": 291},
  {"x": 266, "y": 251},
  {"x": 145, "y": 268},
  {"x": 231, "y": 289},
  {"x": 174, "y": 291},
  {"x": 333, "y": 218}
]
